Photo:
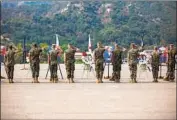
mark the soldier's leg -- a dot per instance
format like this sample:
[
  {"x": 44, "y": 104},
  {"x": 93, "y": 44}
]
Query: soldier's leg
[
  {"x": 68, "y": 71},
  {"x": 172, "y": 69},
  {"x": 37, "y": 72},
  {"x": 33, "y": 72},
  {"x": 12, "y": 74},
  {"x": 101, "y": 71},
  {"x": 97, "y": 72},
  {"x": 113, "y": 74},
  {"x": 55, "y": 73},
  {"x": 131, "y": 73},
  {"x": 118, "y": 75},
  {"x": 8, "y": 73},
  {"x": 168, "y": 73},
  {"x": 72, "y": 72},
  {"x": 51, "y": 73},
  {"x": 134, "y": 73},
  {"x": 153, "y": 73}
]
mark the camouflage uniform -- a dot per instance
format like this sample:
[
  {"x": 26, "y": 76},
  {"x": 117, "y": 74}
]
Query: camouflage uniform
[
  {"x": 69, "y": 63},
  {"x": 132, "y": 61},
  {"x": 9, "y": 61},
  {"x": 34, "y": 54},
  {"x": 116, "y": 62},
  {"x": 171, "y": 65},
  {"x": 155, "y": 64},
  {"x": 53, "y": 64},
  {"x": 99, "y": 60}
]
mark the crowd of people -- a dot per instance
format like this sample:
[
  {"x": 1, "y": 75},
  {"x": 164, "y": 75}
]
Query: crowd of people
[{"x": 98, "y": 57}]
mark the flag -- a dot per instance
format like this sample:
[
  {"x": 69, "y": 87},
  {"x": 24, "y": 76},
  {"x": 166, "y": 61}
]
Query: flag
[
  {"x": 57, "y": 41},
  {"x": 89, "y": 45},
  {"x": 142, "y": 44}
]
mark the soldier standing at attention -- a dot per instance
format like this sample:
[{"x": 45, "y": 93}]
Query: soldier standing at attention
[
  {"x": 9, "y": 61},
  {"x": 69, "y": 61},
  {"x": 99, "y": 61},
  {"x": 155, "y": 64},
  {"x": 54, "y": 63},
  {"x": 116, "y": 62},
  {"x": 133, "y": 54},
  {"x": 34, "y": 54},
  {"x": 171, "y": 64}
]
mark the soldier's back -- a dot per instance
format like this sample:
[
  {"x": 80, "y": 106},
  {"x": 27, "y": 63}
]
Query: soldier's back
[
  {"x": 70, "y": 54},
  {"x": 10, "y": 60},
  {"x": 99, "y": 53},
  {"x": 53, "y": 56},
  {"x": 35, "y": 52},
  {"x": 133, "y": 54}
]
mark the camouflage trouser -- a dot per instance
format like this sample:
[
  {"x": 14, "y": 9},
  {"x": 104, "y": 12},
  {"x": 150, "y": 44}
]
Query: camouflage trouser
[
  {"x": 53, "y": 71},
  {"x": 116, "y": 71},
  {"x": 133, "y": 70},
  {"x": 99, "y": 69},
  {"x": 35, "y": 69},
  {"x": 171, "y": 71},
  {"x": 155, "y": 71},
  {"x": 70, "y": 67},
  {"x": 10, "y": 71}
]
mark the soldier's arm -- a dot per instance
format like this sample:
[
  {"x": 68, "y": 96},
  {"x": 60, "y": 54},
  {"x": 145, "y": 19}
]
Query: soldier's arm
[
  {"x": 128, "y": 58},
  {"x": 64, "y": 57}
]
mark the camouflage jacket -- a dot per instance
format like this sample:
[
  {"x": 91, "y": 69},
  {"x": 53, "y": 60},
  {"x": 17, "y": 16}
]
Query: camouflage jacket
[
  {"x": 155, "y": 58},
  {"x": 34, "y": 55},
  {"x": 132, "y": 56},
  {"x": 116, "y": 57},
  {"x": 171, "y": 56},
  {"x": 69, "y": 55},
  {"x": 53, "y": 57},
  {"x": 98, "y": 54},
  {"x": 9, "y": 58}
]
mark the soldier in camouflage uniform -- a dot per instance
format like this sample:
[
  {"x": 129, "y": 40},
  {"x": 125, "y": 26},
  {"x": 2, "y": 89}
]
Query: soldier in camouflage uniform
[
  {"x": 9, "y": 62},
  {"x": 99, "y": 60},
  {"x": 69, "y": 60},
  {"x": 116, "y": 62},
  {"x": 155, "y": 57},
  {"x": 171, "y": 64},
  {"x": 34, "y": 54},
  {"x": 133, "y": 54},
  {"x": 54, "y": 63}
]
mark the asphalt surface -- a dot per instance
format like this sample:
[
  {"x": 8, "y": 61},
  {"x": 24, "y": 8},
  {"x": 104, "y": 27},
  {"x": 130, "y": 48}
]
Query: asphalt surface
[{"x": 85, "y": 99}]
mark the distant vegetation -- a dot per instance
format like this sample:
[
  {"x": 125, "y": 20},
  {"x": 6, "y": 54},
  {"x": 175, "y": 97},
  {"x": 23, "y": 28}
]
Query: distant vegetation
[{"x": 117, "y": 21}]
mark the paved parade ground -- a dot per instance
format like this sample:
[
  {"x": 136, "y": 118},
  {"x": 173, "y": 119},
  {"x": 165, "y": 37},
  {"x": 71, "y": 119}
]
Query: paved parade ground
[{"x": 85, "y": 98}]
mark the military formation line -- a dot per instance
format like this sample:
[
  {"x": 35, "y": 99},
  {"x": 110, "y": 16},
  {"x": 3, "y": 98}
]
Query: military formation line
[{"x": 69, "y": 61}]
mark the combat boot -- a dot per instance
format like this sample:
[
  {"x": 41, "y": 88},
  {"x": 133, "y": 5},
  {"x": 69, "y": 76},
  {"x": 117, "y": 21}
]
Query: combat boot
[
  {"x": 166, "y": 78},
  {"x": 37, "y": 80},
  {"x": 117, "y": 81},
  {"x": 56, "y": 80},
  {"x": 72, "y": 81},
  {"x": 50, "y": 79},
  {"x": 134, "y": 81},
  {"x": 9, "y": 81},
  {"x": 100, "y": 81},
  {"x": 112, "y": 79},
  {"x": 12, "y": 81}
]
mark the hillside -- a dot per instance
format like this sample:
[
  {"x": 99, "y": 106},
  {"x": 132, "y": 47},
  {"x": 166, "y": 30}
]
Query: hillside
[{"x": 118, "y": 21}]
